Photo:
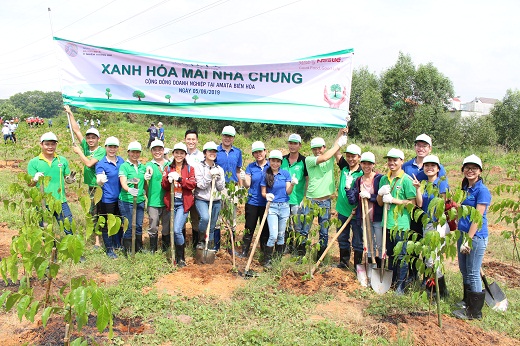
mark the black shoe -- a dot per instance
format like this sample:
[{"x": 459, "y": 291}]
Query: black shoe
[
  {"x": 138, "y": 243},
  {"x": 378, "y": 262},
  {"x": 358, "y": 257},
  {"x": 246, "y": 244},
  {"x": 279, "y": 250},
  {"x": 268, "y": 256},
  {"x": 127, "y": 245},
  {"x": 153, "y": 243},
  {"x": 179, "y": 256},
  {"x": 166, "y": 242},
  {"x": 474, "y": 309},
  {"x": 443, "y": 289},
  {"x": 344, "y": 258},
  {"x": 464, "y": 302},
  {"x": 194, "y": 238}
]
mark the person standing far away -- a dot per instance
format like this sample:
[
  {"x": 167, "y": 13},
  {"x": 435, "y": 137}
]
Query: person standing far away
[
  {"x": 294, "y": 163},
  {"x": 229, "y": 158},
  {"x": 50, "y": 123},
  {"x": 92, "y": 125},
  {"x": 320, "y": 167},
  {"x": 194, "y": 157},
  {"x": 153, "y": 132},
  {"x": 98, "y": 123},
  {"x": 157, "y": 213},
  {"x": 50, "y": 164},
  {"x": 6, "y": 131},
  {"x": 12, "y": 128},
  {"x": 160, "y": 131},
  {"x": 89, "y": 153}
]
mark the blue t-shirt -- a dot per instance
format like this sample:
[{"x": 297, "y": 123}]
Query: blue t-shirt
[
  {"x": 478, "y": 194},
  {"x": 279, "y": 187},
  {"x": 410, "y": 167},
  {"x": 229, "y": 161},
  {"x": 161, "y": 134},
  {"x": 442, "y": 185},
  {"x": 254, "y": 194},
  {"x": 112, "y": 187}
]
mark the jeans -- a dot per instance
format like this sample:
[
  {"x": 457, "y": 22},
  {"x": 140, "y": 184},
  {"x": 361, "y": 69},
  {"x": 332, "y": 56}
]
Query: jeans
[
  {"x": 114, "y": 241},
  {"x": 400, "y": 269},
  {"x": 322, "y": 219},
  {"x": 470, "y": 264},
  {"x": 297, "y": 224},
  {"x": 65, "y": 213},
  {"x": 203, "y": 209},
  {"x": 126, "y": 211},
  {"x": 179, "y": 221},
  {"x": 357, "y": 234},
  {"x": 277, "y": 220},
  {"x": 156, "y": 215},
  {"x": 377, "y": 240}
]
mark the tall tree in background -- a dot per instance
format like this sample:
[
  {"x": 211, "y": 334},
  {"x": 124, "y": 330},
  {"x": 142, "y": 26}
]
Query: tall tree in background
[
  {"x": 42, "y": 104},
  {"x": 506, "y": 117}
]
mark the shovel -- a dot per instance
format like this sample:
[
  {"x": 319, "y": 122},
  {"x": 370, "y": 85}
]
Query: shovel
[
  {"x": 495, "y": 297},
  {"x": 361, "y": 269},
  {"x": 134, "y": 181},
  {"x": 331, "y": 243},
  {"x": 172, "y": 218},
  {"x": 372, "y": 265},
  {"x": 205, "y": 255},
  {"x": 382, "y": 278},
  {"x": 249, "y": 273}
]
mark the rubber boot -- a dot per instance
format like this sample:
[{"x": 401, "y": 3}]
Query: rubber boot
[
  {"x": 246, "y": 244},
  {"x": 358, "y": 257},
  {"x": 279, "y": 250},
  {"x": 464, "y": 302},
  {"x": 127, "y": 245},
  {"x": 378, "y": 262},
  {"x": 216, "y": 242},
  {"x": 320, "y": 252},
  {"x": 153, "y": 243},
  {"x": 474, "y": 309},
  {"x": 138, "y": 243},
  {"x": 301, "y": 250},
  {"x": 166, "y": 242},
  {"x": 268, "y": 256},
  {"x": 202, "y": 238},
  {"x": 443, "y": 289},
  {"x": 194, "y": 239},
  {"x": 179, "y": 255},
  {"x": 344, "y": 258}
]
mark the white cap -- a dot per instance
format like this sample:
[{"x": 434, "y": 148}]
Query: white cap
[
  {"x": 159, "y": 124},
  {"x": 317, "y": 142},
  {"x": 368, "y": 157},
  {"x": 295, "y": 138},
  {"x": 432, "y": 159},
  {"x": 353, "y": 149},
  {"x": 180, "y": 146},
  {"x": 395, "y": 153},
  {"x": 276, "y": 154},
  {"x": 209, "y": 146},
  {"x": 424, "y": 138},
  {"x": 94, "y": 131},
  {"x": 112, "y": 141},
  {"x": 257, "y": 146},
  {"x": 156, "y": 143},
  {"x": 229, "y": 130},
  {"x": 48, "y": 136},
  {"x": 473, "y": 159},
  {"x": 135, "y": 145}
]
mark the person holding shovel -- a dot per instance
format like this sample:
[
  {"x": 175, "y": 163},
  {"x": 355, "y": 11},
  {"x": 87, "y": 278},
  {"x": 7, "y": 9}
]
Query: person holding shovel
[
  {"x": 157, "y": 212},
  {"x": 277, "y": 185},
  {"x": 182, "y": 176},
  {"x": 396, "y": 188},
  {"x": 472, "y": 245},
  {"x": 107, "y": 176},
  {"x": 132, "y": 195},
  {"x": 255, "y": 205},
  {"x": 205, "y": 173}
]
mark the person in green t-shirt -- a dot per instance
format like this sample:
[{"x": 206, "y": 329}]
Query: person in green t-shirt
[
  {"x": 396, "y": 188},
  {"x": 155, "y": 194},
  {"x": 89, "y": 152},
  {"x": 50, "y": 164}
]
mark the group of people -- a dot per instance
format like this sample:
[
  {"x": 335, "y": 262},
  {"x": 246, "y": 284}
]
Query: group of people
[
  {"x": 9, "y": 131},
  {"x": 278, "y": 185},
  {"x": 34, "y": 121}
]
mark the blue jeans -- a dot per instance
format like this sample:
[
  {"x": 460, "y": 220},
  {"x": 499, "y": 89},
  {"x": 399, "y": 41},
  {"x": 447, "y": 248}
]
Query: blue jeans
[
  {"x": 277, "y": 220},
  {"x": 296, "y": 225},
  {"x": 470, "y": 264},
  {"x": 322, "y": 219},
  {"x": 400, "y": 269},
  {"x": 179, "y": 221},
  {"x": 357, "y": 234},
  {"x": 203, "y": 209},
  {"x": 65, "y": 213},
  {"x": 126, "y": 208}
]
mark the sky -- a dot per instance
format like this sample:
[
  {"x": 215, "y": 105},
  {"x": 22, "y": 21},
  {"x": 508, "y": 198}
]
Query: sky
[{"x": 473, "y": 43}]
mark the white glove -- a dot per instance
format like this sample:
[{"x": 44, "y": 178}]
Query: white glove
[
  {"x": 37, "y": 176},
  {"x": 388, "y": 198},
  {"x": 215, "y": 172},
  {"x": 101, "y": 179},
  {"x": 242, "y": 175},
  {"x": 364, "y": 194},
  {"x": 384, "y": 190},
  {"x": 148, "y": 174},
  {"x": 342, "y": 141},
  {"x": 133, "y": 191},
  {"x": 269, "y": 197},
  {"x": 348, "y": 180},
  {"x": 464, "y": 248},
  {"x": 173, "y": 176},
  {"x": 294, "y": 180},
  {"x": 71, "y": 178}
]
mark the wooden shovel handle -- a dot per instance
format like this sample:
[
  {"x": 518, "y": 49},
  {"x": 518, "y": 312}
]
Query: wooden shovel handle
[{"x": 257, "y": 238}]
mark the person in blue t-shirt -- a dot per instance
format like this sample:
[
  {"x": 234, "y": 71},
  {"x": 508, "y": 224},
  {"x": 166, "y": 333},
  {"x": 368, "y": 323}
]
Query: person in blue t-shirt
[
  {"x": 277, "y": 185},
  {"x": 154, "y": 133},
  {"x": 107, "y": 176},
  {"x": 471, "y": 253}
]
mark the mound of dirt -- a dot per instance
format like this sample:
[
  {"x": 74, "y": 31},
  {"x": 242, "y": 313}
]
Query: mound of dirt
[
  {"x": 502, "y": 272},
  {"x": 333, "y": 278}
]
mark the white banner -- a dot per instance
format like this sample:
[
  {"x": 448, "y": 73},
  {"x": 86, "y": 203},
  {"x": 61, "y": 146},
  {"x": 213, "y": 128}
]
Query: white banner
[{"x": 313, "y": 91}]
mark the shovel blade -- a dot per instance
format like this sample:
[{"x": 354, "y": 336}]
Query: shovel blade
[
  {"x": 361, "y": 275},
  {"x": 497, "y": 299},
  {"x": 379, "y": 284},
  {"x": 204, "y": 256}
]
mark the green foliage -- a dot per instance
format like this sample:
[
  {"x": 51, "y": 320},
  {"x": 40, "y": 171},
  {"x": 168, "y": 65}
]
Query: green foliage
[
  {"x": 38, "y": 103},
  {"x": 506, "y": 118},
  {"x": 508, "y": 210},
  {"x": 139, "y": 94},
  {"x": 477, "y": 132}
]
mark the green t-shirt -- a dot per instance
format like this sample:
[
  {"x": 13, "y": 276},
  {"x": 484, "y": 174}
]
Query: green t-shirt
[
  {"x": 130, "y": 171},
  {"x": 57, "y": 170},
  {"x": 402, "y": 188},
  {"x": 89, "y": 173},
  {"x": 299, "y": 170},
  {"x": 321, "y": 177},
  {"x": 342, "y": 205},
  {"x": 155, "y": 191}
]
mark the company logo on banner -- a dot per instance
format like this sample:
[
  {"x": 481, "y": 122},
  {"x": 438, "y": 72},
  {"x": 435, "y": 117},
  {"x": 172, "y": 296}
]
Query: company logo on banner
[{"x": 313, "y": 91}]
